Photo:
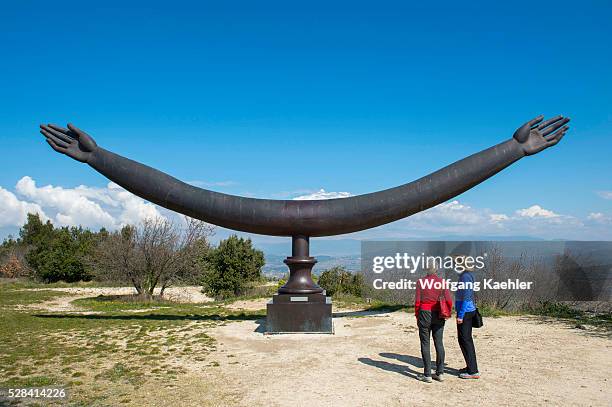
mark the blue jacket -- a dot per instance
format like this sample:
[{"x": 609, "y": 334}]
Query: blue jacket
[{"x": 464, "y": 298}]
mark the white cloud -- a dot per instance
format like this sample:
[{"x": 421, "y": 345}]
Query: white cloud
[
  {"x": 595, "y": 216},
  {"x": 498, "y": 217},
  {"x": 459, "y": 219},
  {"x": 133, "y": 208},
  {"x": 203, "y": 184},
  {"x": 109, "y": 207},
  {"x": 113, "y": 206},
  {"x": 322, "y": 194},
  {"x": 451, "y": 217},
  {"x": 599, "y": 217},
  {"x": 73, "y": 206},
  {"x": 14, "y": 212},
  {"x": 449, "y": 213},
  {"x": 605, "y": 194},
  {"x": 536, "y": 211}
]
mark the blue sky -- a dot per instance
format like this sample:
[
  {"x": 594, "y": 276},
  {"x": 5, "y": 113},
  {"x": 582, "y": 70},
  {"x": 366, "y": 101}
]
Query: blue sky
[{"x": 366, "y": 95}]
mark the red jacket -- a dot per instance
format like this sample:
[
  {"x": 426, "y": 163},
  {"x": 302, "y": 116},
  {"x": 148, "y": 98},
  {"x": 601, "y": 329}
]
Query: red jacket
[{"x": 426, "y": 299}]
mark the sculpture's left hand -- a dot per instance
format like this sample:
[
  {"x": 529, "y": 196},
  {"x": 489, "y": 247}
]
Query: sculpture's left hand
[
  {"x": 536, "y": 135},
  {"x": 73, "y": 142}
]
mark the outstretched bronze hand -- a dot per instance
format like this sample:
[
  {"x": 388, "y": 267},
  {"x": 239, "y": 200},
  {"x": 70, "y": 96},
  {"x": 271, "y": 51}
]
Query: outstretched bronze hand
[
  {"x": 536, "y": 135},
  {"x": 72, "y": 141}
]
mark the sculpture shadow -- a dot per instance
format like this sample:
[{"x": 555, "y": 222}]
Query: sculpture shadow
[
  {"x": 376, "y": 310},
  {"x": 406, "y": 368},
  {"x": 260, "y": 320},
  {"x": 261, "y": 326},
  {"x": 155, "y": 317}
]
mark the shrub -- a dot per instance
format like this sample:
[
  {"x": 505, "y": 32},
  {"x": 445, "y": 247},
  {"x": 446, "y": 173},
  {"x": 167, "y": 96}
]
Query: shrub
[
  {"x": 555, "y": 309},
  {"x": 338, "y": 280},
  {"x": 12, "y": 259},
  {"x": 13, "y": 267},
  {"x": 56, "y": 254},
  {"x": 229, "y": 267},
  {"x": 60, "y": 258}
]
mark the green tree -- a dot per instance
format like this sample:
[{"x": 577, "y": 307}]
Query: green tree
[
  {"x": 59, "y": 259},
  {"x": 231, "y": 266},
  {"x": 338, "y": 280},
  {"x": 35, "y": 232},
  {"x": 56, "y": 254}
]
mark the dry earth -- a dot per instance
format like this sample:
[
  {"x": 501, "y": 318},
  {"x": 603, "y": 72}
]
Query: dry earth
[
  {"x": 373, "y": 360},
  {"x": 192, "y": 294}
]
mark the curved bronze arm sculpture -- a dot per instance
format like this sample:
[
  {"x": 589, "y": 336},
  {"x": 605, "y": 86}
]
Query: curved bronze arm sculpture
[
  {"x": 306, "y": 218},
  {"x": 302, "y": 219}
]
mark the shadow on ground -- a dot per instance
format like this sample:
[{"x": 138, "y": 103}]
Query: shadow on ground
[
  {"x": 407, "y": 366},
  {"x": 156, "y": 317},
  {"x": 386, "y": 309},
  {"x": 261, "y": 326}
]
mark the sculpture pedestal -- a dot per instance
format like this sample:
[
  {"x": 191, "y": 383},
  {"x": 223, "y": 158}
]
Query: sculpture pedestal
[
  {"x": 300, "y": 306},
  {"x": 299, "y": 313}
]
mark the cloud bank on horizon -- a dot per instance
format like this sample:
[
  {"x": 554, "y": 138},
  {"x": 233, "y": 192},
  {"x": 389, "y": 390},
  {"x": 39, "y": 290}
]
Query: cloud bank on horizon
[
  {"x": 322, "y": 194},
  {"x": 605, "y": 194},
  {"x": 112, "y": 207},
  {"x": 90, "y": 207}
]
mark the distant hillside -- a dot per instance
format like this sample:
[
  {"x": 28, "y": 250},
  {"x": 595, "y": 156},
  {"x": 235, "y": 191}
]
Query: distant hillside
[
  {"x": 346, "y": 252},
  {"x": 276, "y": 268}
]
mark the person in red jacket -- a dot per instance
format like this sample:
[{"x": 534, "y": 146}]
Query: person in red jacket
[{"x": 430, "y": 292}]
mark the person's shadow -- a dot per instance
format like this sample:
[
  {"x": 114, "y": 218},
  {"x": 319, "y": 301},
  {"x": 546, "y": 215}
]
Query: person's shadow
[
  {"x": 391, "y": 367},
  {"x": 406, "y": 367}
]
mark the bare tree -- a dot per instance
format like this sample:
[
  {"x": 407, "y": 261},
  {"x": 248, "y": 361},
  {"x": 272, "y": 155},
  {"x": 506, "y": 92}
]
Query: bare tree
[
  {"x": 156, "y": 253},
  {"x": 13, "y": 263},
  {"x": 12, "y": 260}
]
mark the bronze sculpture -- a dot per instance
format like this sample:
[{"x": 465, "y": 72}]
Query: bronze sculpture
[{"x": 304, "y": 219}]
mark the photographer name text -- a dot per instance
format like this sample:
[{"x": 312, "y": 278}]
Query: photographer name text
[{"x": 486, "y": 284}]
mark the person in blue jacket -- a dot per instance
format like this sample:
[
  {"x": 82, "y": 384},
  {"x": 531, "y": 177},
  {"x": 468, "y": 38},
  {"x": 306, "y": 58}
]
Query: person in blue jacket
[{"x": 466, "y": 309}]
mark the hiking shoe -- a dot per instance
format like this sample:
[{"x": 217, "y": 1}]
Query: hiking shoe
[
  {"x": 469, "y": 375},
  {"x": 438, "y": 377},
  {"x": 423, "y": 378}
]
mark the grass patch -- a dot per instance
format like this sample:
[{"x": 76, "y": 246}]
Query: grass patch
[
  {"x": 493, "y": 312},
  {"x": 117, "y": 346},
  {"x": 567, "y": 313},
  {"x": 343, "y": 300},
  {"x": 122, "y": 372},
  {"x": 12, "y": 298},
  {"x": 110, "y": 303},
  {"x": 22, "y": 283},
  {"x": 31, "y": 381},
  {"x": 555, "y": 310}
]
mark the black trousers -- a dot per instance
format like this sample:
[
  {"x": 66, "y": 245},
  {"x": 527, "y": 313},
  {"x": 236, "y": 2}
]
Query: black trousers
[
  {"x": 466, "y": 343},
  {"x": 430, "y": 324}
]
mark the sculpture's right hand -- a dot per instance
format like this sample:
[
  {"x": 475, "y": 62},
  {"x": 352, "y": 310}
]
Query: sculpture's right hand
[
  {"x": 536, "y": 135},
  {"x": 72, "y": 141}
]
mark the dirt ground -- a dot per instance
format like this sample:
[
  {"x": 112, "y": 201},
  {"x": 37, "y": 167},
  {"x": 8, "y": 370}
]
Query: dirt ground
[
  {"x": 373, "y": 360},
  {"x": 189, "y": 294}
]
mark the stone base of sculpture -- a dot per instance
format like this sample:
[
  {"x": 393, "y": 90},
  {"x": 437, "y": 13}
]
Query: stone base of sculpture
[{"x": 299, "y": 313}]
